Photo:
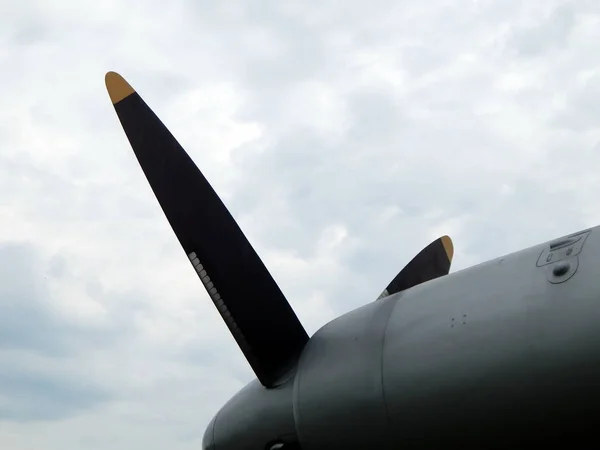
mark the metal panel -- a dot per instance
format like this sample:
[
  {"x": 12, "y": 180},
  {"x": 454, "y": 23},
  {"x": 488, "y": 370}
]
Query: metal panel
[
  {"x": 338, "y": 392},
  {"x": 496, "y": 354}
]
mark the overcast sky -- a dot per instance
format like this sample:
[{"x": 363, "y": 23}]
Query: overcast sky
[{"x": 343, "y": 136}]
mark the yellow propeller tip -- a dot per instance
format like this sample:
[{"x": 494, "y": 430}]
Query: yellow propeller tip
[
  {"x": 117, "y": 87},
  {"x": 448, "y": 246}
]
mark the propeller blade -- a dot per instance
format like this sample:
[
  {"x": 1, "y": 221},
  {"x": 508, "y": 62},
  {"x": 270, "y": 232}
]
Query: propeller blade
[
  {"x": 432, "y": 262},
  {"x": 255, "y": 310}
]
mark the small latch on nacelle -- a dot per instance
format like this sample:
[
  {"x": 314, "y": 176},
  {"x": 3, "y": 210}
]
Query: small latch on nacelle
[{"x": 563, "y": 248}]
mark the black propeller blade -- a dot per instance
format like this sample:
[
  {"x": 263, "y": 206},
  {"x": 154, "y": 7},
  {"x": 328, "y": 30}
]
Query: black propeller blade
[
  {"x": 250, "y": 302},
  {"x": 432, "y": 262}
]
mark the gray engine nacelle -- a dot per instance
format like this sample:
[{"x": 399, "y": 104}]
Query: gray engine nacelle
[
  {"x": 338, "y": 390},
  {"x": 254, "y": 419},
  {"x": 508, "y": 349},
  {"x": 339, "y": 373}
]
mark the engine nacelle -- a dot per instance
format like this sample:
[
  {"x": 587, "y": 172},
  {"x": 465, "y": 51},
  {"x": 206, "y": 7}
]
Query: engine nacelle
[
  {"x": 507, "y": 350},
  {"x": 338, "y": 390},
  {"x": 254, "y": 419}
]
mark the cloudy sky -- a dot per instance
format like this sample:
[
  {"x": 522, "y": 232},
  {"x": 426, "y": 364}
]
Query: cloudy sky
[{"x": 343, "y": 136}]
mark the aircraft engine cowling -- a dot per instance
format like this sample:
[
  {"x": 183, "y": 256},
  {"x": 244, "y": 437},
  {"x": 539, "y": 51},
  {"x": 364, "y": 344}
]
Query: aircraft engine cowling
[
  {"x": 339, "y": 371},
  {"x": 256, "y": 418},
  {"x": 338, "y": 388},
  {"x": 507, "y": 351}
]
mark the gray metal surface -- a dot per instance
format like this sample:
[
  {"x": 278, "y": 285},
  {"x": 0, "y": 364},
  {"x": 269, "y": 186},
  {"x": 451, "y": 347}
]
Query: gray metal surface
[
  {"x": 492, "y": 356},
  {"x": 338, "y": 388},
  {"x": 497, "y": 354},
  {"x": 254, "y": 417}
]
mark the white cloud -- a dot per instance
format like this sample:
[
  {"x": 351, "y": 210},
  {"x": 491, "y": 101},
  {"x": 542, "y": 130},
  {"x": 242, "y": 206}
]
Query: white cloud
[{"x": 343, "y": 136}]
